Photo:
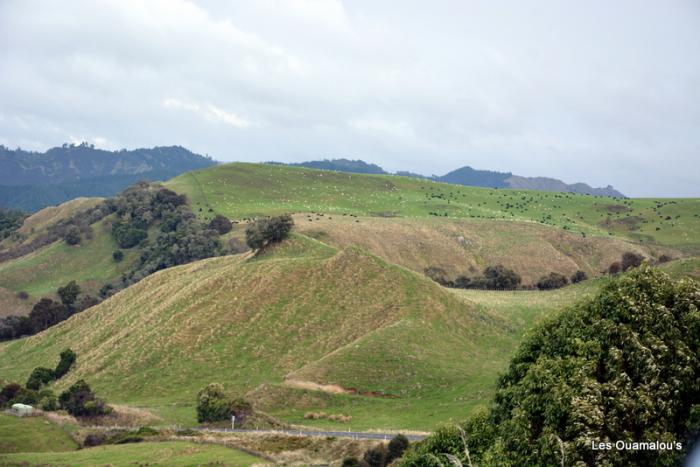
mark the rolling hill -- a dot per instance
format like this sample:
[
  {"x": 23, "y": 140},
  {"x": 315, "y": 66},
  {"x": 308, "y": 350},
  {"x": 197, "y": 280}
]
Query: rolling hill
[
  {"x": 340, "y": 318},
  {"x": 242, "y": 190},
  {"x": 248, "y": 321}
]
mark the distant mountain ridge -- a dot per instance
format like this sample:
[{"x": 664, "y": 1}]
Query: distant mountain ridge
[
  {"x": 466, "y": 176},
  {"x": 33, "y": 180}
]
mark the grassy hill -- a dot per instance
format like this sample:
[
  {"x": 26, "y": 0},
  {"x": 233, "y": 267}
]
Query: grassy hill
[
  {"x": 247, "y": 190},
  {"x": 303, "y": 312},
  {"x": 466, "y": 246},
  {"x": 41, "y": 272},
  {"x": 32, "y": 434}
]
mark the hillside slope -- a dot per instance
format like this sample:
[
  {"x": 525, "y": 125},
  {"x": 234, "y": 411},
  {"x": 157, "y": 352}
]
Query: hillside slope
[
  {"x": 301, "y": 311},
  {"x": 249, "y": 190}
]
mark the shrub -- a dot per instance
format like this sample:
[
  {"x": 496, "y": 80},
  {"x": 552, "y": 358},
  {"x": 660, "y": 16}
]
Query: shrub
[
  {"x": 79, "y": 400},
  {"x": 631, "y": 260},
  {"x": 665, "y": 258},
  {"x": 263, "y": 232},
  {"x": 221, "y": 224},
  {"x": 212, "y": 404},
  {"x": 39, "y": 377},
  {"x": 350, "y": 462},
  {"x": 67, "y": 360},
  {"x": 127, "y": 236},
  {"x": 553, "y": 280},
  {"x": 25, "y": 396},
  {"x": 396, "y": 448},
  {"x": 578, "y": 276},
  {"x": 501, "y": 278},
  {"x": 8, "y": 392},
  {"x": 118, "y": 255},
  {"x": 375, "y": 456},
  {"x": 72, "y": 235},
  {"x": 47, "y": 400},
  {"x": 22, "y": 295},
  {"x": 615, "y": 268},
  {"x": 69, "y": 293}
]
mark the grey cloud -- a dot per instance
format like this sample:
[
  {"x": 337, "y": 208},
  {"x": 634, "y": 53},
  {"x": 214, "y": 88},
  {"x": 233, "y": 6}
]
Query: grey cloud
[{"x": 602, "y": 92}]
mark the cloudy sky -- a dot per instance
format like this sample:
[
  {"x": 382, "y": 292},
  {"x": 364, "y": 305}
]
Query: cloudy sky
[{"x": 606, "y": 92}]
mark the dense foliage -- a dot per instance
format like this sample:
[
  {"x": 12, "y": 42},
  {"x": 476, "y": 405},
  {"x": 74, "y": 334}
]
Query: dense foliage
[
  {"x": 496, "y": 277},
  {"x": 221, "y": 224},
  {"x": 553, "y": 280},
  {"x": 263, "y": 232},
  {"x": 181, "y": 237},
  {"x": 80, "y": 400},
  {"x": 213, "y": 405},
  {"x": 10, "y": 221},
  {"x": 623, "y": 366}
]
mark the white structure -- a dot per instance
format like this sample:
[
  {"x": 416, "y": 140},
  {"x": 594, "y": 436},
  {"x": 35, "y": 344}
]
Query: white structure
[{"x": 22, "y": 410}]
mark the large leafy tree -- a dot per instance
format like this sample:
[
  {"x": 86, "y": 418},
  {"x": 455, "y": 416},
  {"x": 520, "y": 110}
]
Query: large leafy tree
[{"x": 623, "y": 366}]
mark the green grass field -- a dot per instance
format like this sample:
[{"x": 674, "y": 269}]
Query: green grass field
[
  {"x": 90, "y": 264},
  {"x": 170, "y": 453},
  {"x": 417, "y": 354},
  {"x": 32, "y": 434},
  {"x": 242, "y": 190}
]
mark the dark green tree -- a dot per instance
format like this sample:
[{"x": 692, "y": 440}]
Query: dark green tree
[
  {"x": 69, "y": 293},
  {"x": 80, "y": 400},
  {"x": 40, "y": 376},
  {"x": 67, "y": 359},
  {"x": 263, "y": 232}
]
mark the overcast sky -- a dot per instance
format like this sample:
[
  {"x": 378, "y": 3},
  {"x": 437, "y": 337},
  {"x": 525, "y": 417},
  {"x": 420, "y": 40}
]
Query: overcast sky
[{"x": 605, "y": 92}]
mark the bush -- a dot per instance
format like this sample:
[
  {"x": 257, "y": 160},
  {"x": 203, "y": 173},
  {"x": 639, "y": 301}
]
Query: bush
[
  {"x": 578, "y": 276},
  {"x": 9, "y": 392},
  {"x": 67, "y": 360},
  {"x": 263, "y": 232},
  {"x": 553, "y": 280},
  {"x": 72, "y": 235},
  {"x": 118, "y": 255},
  {"x": 350, "y": 462},
  {"x": 69, "y": 293},
  {"x": 22, "y": 295},
  {"x": 221, "y": 224},
  {"x": 501, "y": 278},
  {"x": 396, "y": 448},
  {"x": 631, "y": 260},
  {"x": 375, "y": 456},
  {"x": 39, "y": 377},
  {"x": 665, "y": 258},
  {"x": 213, "y": 405},
  {"x": 615, "y": 268},
  {"x": 79, "y": 400},
  {"x": 47, "y": 400},
  {"x": 128, "y": 236}
]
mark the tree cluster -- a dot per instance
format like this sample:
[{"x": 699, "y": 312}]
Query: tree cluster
[
  {"x": 381, "y": 455},
  {"x": 496, "y": 277},
  {"x": 622, "y": 366}
]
